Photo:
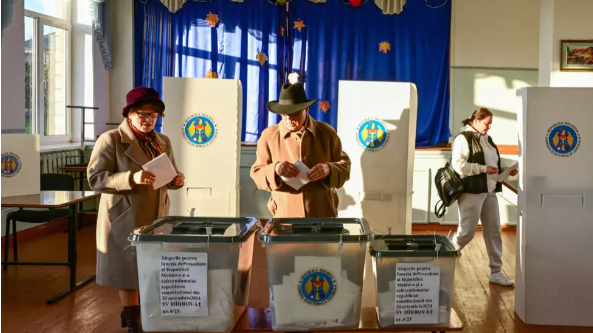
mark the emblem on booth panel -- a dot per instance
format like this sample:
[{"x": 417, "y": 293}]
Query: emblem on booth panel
[
  {"x": 563, "y": 139},
  {"x": 372, "y": 134},
  {"x": 317, "y": 286},
  {"x": 11, "y": 165},
  {"x": 199, "y": 130}
]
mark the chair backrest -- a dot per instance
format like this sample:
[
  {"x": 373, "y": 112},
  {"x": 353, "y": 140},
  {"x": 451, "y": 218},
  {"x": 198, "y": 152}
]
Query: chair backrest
[{"x": 56, "y": 182}]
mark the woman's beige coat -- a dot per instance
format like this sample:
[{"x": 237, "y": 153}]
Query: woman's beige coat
[{"x": 117, "y": 155}]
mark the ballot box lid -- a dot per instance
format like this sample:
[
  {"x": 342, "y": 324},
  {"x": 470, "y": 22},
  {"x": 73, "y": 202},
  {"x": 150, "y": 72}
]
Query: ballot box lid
[
  {"x": 186, "y": 229},
  {"x": 315, "y": 230},
  {"x": 397, "y": 246}
]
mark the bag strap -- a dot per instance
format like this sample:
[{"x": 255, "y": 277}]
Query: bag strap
[
  {"x": 440, "y": 210},
  {"x": 468, "y": 137}
]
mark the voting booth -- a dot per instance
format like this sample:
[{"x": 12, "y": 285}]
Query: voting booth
[
  {"x": 203, "y": 121},
  {"x": 554, "y": 267},
  {"x": 20, "y": 164},
  {"x": 377, "y": 126}
]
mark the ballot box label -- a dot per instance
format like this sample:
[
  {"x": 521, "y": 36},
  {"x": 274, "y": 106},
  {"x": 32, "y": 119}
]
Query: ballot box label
[
  {"x": 11, "y": 165},
  {"x": 563, "y": 139},
  {"x": 184, "y": 284},
  {"x": 317, "y": 286},
  {"x": 200, "y": 130},
  {"x": 417, "y": 293},
  {"x": 372, "y": 134}
]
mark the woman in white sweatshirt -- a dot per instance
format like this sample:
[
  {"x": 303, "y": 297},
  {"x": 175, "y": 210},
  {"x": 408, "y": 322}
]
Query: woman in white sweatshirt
[{"x": 475, "y": 157}]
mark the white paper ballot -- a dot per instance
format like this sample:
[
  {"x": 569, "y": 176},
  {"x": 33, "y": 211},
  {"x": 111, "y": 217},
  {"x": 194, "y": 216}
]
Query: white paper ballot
[
  {"x": 505, "y": 174},
  {"x": 300, "y": 180},
  {"x": 163, "y": 170}
]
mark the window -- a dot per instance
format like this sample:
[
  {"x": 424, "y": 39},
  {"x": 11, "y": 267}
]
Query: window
[{"x": 47, "y": 69}]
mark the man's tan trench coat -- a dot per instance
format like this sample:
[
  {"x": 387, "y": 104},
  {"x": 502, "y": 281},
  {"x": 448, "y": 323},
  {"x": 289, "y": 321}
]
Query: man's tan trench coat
[{"x": 320, "y": 144}]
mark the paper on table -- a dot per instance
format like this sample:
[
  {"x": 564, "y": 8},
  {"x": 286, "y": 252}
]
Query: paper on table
[
  {"x": 163, "y": 170},
  {"x": 300, "y": 180},
  {"x": 502, "y": 176}
]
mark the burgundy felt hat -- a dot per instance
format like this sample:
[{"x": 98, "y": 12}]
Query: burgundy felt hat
[{"x": 142, "y": 95}]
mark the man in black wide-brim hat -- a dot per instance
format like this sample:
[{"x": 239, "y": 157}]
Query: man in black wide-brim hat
[{"x": 299, "y": 137}]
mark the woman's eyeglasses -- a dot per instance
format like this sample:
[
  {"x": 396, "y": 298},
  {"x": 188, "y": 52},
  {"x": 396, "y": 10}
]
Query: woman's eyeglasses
[{"x": 145, "y": 115}]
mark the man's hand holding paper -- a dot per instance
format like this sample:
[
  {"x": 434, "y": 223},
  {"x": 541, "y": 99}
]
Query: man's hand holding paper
[{"x": 301, "y": 179}]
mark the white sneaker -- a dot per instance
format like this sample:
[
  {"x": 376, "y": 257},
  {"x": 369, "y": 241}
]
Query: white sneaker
[{"x": 501, "y": 278}]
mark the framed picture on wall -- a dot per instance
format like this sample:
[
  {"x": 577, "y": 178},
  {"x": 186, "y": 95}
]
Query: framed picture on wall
[{"x": 576, "y": 55}]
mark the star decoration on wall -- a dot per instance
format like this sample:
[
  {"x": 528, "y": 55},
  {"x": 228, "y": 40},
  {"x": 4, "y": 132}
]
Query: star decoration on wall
[
  {"x": 324, "y": 106},
  {"x": 384, "y": 47},
  {"x": 212, "y": 19},
  {"x": 299, "y": 25}
]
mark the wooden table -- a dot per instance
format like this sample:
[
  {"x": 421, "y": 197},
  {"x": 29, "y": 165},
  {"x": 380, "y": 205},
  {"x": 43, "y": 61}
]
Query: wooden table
[
  {"x": 53, "y": 200},
  {"x": 260, "y": 320}
]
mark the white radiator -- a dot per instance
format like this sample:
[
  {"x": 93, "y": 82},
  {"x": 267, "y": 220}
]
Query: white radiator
[{"x": 51, "y": 162}]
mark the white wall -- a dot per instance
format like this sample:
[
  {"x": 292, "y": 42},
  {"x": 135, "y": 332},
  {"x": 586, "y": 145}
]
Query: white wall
[
  {"x": 13, "y": 71},
  {"x": 546, "y": 40},
  {"x": 501, "y": 33},
  {"x": 494, "y": 51},
  {"x": 121, "y": 78},
  {"x": 572, "y": 20}
]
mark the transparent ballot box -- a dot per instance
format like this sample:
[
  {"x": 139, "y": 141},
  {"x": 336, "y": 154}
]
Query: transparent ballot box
[
  {"x": 194, "y": 272},
  {"x": 315, "y": 270},
  {"x": 414, "y": 279}
]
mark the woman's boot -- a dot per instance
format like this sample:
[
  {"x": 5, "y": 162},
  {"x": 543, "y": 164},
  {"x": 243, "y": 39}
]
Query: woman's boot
[{"x": 130, "y": 318}]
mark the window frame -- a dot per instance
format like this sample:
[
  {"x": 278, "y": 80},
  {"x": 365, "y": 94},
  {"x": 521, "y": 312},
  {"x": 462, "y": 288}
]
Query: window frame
[{"x": 37, "y": 110}]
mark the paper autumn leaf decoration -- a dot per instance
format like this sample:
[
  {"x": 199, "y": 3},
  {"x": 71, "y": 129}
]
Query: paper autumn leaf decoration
[
  {"x": 384, "y": 47},
  {"x": 211, "y": 75},
  {"x": 299, "y": 25},
  {"x": 261, "y": 58},
  {"x": 324, "y": 106},
  {"x": 212, "y": 19}
]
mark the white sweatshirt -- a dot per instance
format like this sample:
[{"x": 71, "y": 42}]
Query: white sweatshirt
[{"x": 460, "y": 154}]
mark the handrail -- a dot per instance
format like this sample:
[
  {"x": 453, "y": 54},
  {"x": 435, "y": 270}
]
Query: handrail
[{"x": 507, "y": 185}]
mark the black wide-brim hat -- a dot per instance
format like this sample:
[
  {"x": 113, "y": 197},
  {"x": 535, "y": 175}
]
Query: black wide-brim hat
[{"x": 293, "y": 99}]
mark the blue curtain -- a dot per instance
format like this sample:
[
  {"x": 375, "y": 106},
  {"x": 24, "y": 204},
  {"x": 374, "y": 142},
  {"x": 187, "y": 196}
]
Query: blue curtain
[
  {"x": 337, "y": 42},
  {"x": 153, "y": 49},
  {"x": 341, "y": 42},
  {"x": 184, "y": 44}
]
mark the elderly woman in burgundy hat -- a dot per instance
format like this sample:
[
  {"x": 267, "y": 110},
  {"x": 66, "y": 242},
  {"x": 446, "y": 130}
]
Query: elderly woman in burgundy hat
[{"x": 128, "y": 199}]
